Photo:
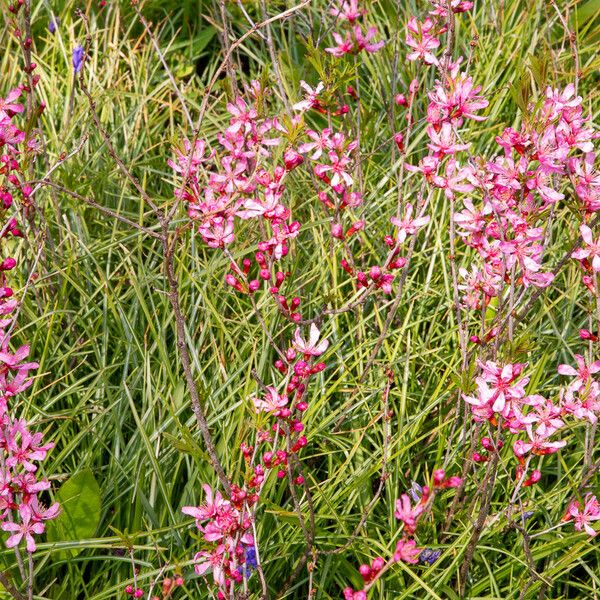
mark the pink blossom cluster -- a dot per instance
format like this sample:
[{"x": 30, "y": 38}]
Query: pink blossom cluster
[
  {"x": 518, "y": 189},
  {"x": 22, "y": 514},
  {"x": 408, "y": 513},
  {"x": 422, "y": 37},
  {"x": 354, "y": 39},
  {"x": 227, "y": 525},
  {"x": 221, "y": 187},
  {"x": 501, "y": 398}
]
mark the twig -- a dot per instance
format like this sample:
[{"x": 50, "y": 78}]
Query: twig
[
  {"x": 10, "y": 588},
  {"x": 572, "y": 43},
  {"x": 103, "y": 209},
  {"x": 184, "y": 355},
  {"x": 161, "y": 57}
]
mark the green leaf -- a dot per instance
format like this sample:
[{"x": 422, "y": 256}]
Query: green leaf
[
  {"x": 202, "y": 40},
  {"x": 79, "y": 498}
]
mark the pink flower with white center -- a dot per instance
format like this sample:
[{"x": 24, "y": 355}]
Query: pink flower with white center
[
  {"x": 407, "y": 225},
  {"x": 444, "y": 141},
  {"x": 24, "y": 529},
  {"x": 312, "y": 346},
  {"x": 407, "y": 551},
  {"x": 586, "y": 515},
  {"x": 583, "y": 373},
  {"x": 421, "y": 41},
  {"x": 214, "y": 502},
  {"x": 272, "y": 402},
  {"x": 311, "y": 97},
  {"x": 592, "y": 252}
]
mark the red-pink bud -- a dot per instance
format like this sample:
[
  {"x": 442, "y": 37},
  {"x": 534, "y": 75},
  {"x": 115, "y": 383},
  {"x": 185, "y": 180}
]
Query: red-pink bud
[
  {"x": 438, "y": 476},
  {"x": 375, "y": 273},
  {"x": 8, "y": 264},
  {"x": 377, "y": 564},
  {"x": 399, "y": 139},
  {"x": 292, "y": 159},
  {"x": 337, "y": 231}
]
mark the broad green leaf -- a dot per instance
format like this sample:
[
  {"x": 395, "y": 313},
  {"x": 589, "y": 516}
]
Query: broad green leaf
[{"x": 79, "y": 498}]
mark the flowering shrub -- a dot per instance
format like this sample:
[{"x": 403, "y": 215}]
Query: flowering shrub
[
  {"x": 23, "y": 513},
  {"x": 327, "y": 328}
]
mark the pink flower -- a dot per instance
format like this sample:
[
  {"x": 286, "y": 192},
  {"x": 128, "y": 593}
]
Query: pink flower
[
  {"x": 344, "y": 45},
  {"x": 25, "y": 529},
  {"x": 408, "y": 226},
  {"x": 421, "y": 41},
  {"x": 589, "y": 513},
  {"x": 311, "y": 97},
  {"x": 8, "y": 106},
  {"x": 592, "y": 251},
  {"x": 311, "y": 347},
  {"x": 407, "y": 551},
  {"x": 213, "y": 503},
  {"x": 407, "y": 513},
  {"x": 444, "y": 141},
  {"x": 363, "y": 42},
  {"x": 211, "y": 561},
  {"x": 347, "y": 10},
  {"x": 582, "y": 374},
  {"x": 273, "y": 402}
]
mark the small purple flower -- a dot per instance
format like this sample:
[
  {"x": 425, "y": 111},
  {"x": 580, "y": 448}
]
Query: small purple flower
[
  {"x": 78, "y": 59},
  {"x": 415, "y": 491},
  {"x": 429, "y": 555},
  {"x": 53, "y": 24},
  {"x": 251, "y": 557}
]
